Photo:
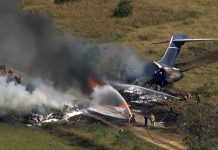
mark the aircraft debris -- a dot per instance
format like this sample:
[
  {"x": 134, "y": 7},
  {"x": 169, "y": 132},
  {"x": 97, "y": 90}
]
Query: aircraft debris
[
  {"x": 65, "y": 114},
  {"x": 138, "y": 94}
]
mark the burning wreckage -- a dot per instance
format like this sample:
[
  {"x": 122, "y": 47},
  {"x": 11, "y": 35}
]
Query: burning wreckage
[
  {"x": 69, "y": 111},
  {"x": 105, "y": 101},
  {"x": 137, "y": 96},
  {"x": 73, "y": 61}
]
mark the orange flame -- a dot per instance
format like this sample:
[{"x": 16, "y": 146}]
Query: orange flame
[
  {"x": 92, "y": 83},
  {"x": 123, "y": 105}
]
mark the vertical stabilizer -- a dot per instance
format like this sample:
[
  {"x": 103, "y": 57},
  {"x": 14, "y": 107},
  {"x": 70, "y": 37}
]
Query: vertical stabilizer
[{"x": 169, "y": 58}]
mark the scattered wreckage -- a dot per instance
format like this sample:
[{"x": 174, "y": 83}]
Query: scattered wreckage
[
  {"x": 106, "y": 103},
  {"x": 69, "y": 111},
  {"x": 76, "y": 111},
  {"x": 140, "y": 96}
]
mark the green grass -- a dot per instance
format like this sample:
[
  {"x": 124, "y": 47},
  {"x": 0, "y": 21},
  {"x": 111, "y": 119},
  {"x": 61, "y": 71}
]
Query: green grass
[
  {"x": 81, "y": 136},
  {"x": 20, "y": 137},
  {"x": 196, "y": 78},
  {"x": 98, "y": 136}
]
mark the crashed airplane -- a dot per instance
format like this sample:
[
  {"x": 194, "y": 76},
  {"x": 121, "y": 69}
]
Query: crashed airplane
[
  {"x": 106, "y": 101},
  {"x": 142, "y": 87},
  {"x": 159, "y": 73}
]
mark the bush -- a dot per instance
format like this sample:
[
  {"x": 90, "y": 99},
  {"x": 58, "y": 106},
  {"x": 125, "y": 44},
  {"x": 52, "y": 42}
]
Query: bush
[
  {"x": 123, "y": 9},
  {"x": 124, "y": 136},
  {"x": 127, "y": 137},
  {"x": 98, "y": 130},
  {"x": 62, "y": 1}
]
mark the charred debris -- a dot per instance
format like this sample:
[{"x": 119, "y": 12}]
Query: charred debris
[{"x": 116, "y": 102}]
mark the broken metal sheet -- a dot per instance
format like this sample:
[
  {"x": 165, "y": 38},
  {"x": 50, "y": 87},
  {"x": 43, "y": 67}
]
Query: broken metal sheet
[{"x": 109, "y": 111}]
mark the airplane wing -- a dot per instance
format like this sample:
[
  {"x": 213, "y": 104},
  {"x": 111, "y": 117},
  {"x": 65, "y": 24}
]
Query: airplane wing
[{"x": 109, "y": 111}]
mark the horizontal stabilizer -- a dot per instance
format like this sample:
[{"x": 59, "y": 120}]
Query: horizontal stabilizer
[
  {"x": 195, "y": 40},
  {"x": 175, "y": 44}
]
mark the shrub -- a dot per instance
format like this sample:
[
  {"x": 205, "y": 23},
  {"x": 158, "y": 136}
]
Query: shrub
[
  {"x": 124, "y": 136},
  {"x": 123, "y": 9},
  {"x": 62, "y": 1},
  {"x": 127, "y": 137}
]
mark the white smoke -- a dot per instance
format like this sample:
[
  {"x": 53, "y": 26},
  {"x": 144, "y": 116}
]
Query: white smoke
[
  {"x": 15, "y": 97},
  {"x": 108, "y": 96}
]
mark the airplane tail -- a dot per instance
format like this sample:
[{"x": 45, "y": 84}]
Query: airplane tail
[{"x": 175, "y": 44}]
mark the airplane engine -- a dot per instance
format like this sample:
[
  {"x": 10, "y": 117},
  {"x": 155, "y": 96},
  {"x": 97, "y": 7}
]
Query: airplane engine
[
  {"x": 165, "y": 75},
  {"x": 154, "y": 74},
  {"x": 172, "y": 75}
]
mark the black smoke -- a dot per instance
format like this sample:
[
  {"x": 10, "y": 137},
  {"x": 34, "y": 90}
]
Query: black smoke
[{"x": 29, "y": 43}]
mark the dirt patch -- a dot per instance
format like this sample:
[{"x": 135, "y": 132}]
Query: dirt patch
[
  {"x": 208, "y": 59},
  {"x": 156, "y": 137}
]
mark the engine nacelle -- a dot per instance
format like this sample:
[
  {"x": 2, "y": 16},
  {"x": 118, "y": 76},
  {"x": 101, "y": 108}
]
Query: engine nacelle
[
  {"x": 172, "y": 74},
  {"x": 166, "y": 75}
]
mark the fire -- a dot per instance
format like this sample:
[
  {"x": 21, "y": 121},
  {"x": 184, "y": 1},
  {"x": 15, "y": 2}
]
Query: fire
[
  {"x": 92, "y": 83},
  {"x": 123, "y": 105}
]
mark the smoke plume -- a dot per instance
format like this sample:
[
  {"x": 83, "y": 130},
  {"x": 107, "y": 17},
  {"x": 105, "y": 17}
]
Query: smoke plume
[
  {"x": 15, "y": 97},
  {"x": 28, "y": 43}
]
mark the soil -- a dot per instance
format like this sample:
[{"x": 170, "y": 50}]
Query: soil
[{"x": 208, "y": 59}]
